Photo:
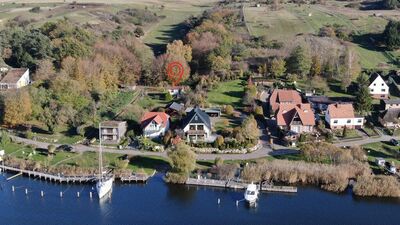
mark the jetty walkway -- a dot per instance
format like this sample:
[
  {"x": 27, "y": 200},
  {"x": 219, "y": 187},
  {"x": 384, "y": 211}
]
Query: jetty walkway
[
  {"x": 72, "y": 179},
  {"x": 238, "y": 185}
]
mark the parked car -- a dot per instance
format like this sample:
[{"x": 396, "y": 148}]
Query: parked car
[
  {"x": 394, "y": 142},
  {"x": 66, "y": 148}
]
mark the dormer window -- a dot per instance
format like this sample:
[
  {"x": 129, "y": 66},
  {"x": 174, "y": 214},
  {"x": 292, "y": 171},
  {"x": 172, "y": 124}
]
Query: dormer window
[{"x": 374, "y": 84}]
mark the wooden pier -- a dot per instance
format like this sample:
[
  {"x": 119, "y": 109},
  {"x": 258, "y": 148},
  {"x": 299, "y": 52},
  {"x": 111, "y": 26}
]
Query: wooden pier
[
  {"x": 51, "y": 177},
  {"x": 238, "y": 185}
]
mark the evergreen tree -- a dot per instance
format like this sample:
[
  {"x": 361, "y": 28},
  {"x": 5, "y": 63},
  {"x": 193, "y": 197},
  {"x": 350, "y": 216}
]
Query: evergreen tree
[
  {"x": 299, "y": 61},
  {"x": 391, "y": 35},
  {"x": 363, "y": 100}
]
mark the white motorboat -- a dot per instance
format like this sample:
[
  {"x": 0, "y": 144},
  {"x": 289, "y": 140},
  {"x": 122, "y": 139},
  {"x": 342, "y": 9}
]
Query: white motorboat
[
  {"x": 104, "y": 182},
  {"x": 251, "y": 194}
]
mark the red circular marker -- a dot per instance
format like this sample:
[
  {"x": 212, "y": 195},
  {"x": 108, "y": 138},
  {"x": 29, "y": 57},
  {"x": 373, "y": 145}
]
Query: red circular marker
[{"x": 175, "y": 72}]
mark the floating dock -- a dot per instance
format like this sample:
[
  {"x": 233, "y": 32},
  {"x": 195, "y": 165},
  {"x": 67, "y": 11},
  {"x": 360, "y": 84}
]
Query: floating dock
[{"x": 238, "y": 185}]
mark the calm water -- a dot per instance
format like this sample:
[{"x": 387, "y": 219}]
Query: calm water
[{"x": 159, "y": 203}]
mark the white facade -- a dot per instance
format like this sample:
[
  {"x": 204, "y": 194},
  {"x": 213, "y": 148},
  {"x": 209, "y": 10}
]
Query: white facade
[
  {"x": 197, "y": 132},
  {"x": 22, "y": 81},
  {"x": 154, "y": 130},
  {"x": 338, "y": 123},
  {"x": 379, "y": 88}
]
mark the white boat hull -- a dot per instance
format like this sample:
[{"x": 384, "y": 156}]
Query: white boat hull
[
  {"x": 251, "y": 194},
  {"x": 103, "y": 187}
]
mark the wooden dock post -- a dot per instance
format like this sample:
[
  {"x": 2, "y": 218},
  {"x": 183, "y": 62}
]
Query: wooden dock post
[
  {"x": 77, "y": 194},
  {"x": 91, "y": 195},
  {"x": 41, "y": 194},
  {"x": 26, "y": 191},
  {"x": 13, "y": 188},
  {"x": 237, "y": 202},
  {"x": 61, "y": 194},
  {"x": 219, "y": 201}
]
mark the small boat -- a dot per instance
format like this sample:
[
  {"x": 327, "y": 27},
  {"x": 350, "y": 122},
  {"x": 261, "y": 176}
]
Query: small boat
[
  {"x": 251, "y": 194},
  {"x": 105, "y": 181}
]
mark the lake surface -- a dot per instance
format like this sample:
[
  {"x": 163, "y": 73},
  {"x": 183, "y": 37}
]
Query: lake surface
[{"x": 159, "y": 203}]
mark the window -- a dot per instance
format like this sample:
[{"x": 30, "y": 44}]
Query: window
[
  {"x": 372, "y": 90},
  {"x": 335, "y": 121},
  {"x": 375, "y": 84},
  {"x": 192, "y": 127},
  {"x": 383, "y": 84},
  {"x": 383, "y": 89},
  {"x": 348, "y": 121},
  {"x": 359, "y": 121},
  {"x": 200, "y": 127}
]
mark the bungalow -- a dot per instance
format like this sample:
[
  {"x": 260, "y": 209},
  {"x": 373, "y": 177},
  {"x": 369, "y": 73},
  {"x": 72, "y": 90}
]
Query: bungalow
[
  {"x": 111, "y": 132},
  {"x": 154, "y": 124},
  {"x": 283, "y": 96},
  {"x": 297, "y": 118},
  {"x": 14, "y": 78},
  {"x": 391, "y": 103},
  {"x": 197, "y": 126},
  {"x": 378, "y": 87},
  {"x": 342, "y": 115},
  {"x": 390, "y": 117}
]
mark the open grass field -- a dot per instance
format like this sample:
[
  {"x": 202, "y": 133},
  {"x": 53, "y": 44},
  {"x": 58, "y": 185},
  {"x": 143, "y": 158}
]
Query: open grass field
[
  {"x": 168, "y": 28},
  {"x": 383, "y": 150},
  {"x": 227, "y": 93},
  {"x": 292, "y": 20}
]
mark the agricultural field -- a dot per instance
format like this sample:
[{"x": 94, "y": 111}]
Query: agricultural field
[
  {"x": 99, "y": 12},
  {"x": 293, "y": 20}
]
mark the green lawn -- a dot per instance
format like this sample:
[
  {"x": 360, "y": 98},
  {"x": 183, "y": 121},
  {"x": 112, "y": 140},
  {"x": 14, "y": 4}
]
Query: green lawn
[
  {"x": 383, "y": 150},
  {"x": 87, "y": 159},
  {"x": 220, "y": 123},
  {"x": 227, "y": 93}
]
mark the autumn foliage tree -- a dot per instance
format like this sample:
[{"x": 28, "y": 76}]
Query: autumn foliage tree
[{"x": 17, "y": 108}]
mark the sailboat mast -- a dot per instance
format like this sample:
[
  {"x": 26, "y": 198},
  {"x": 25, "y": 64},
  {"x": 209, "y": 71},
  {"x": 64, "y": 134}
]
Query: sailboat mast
[{"x": 100, "y": 156}]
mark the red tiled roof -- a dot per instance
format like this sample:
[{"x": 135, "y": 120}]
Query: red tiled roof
[
  {"x": 341, "y": 110},
  {"x": 280, "y": 96},
  {"x": 159, "y": 117},
  {"x": 287, "y": 112}
]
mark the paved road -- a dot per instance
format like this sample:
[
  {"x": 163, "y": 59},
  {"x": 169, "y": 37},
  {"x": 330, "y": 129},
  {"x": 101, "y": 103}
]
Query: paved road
[
  {"x": 262, "y": 152},
  {"x": 365, "y": 141}
]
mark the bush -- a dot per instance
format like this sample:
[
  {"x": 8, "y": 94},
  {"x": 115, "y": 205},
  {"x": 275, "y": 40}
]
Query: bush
[
  {"x": 168, "y": 96},
  {"x": 51, "y": 149},
  {"x": 35, "y": 9},
  {"x": 229, "y": 110},
  {"x": 139, "y": 32}
]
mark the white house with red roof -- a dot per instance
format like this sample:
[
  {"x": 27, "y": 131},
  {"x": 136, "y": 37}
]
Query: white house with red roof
[
  {"x": 340, "y": 115},
  {"x": 154, "y": 124}
]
